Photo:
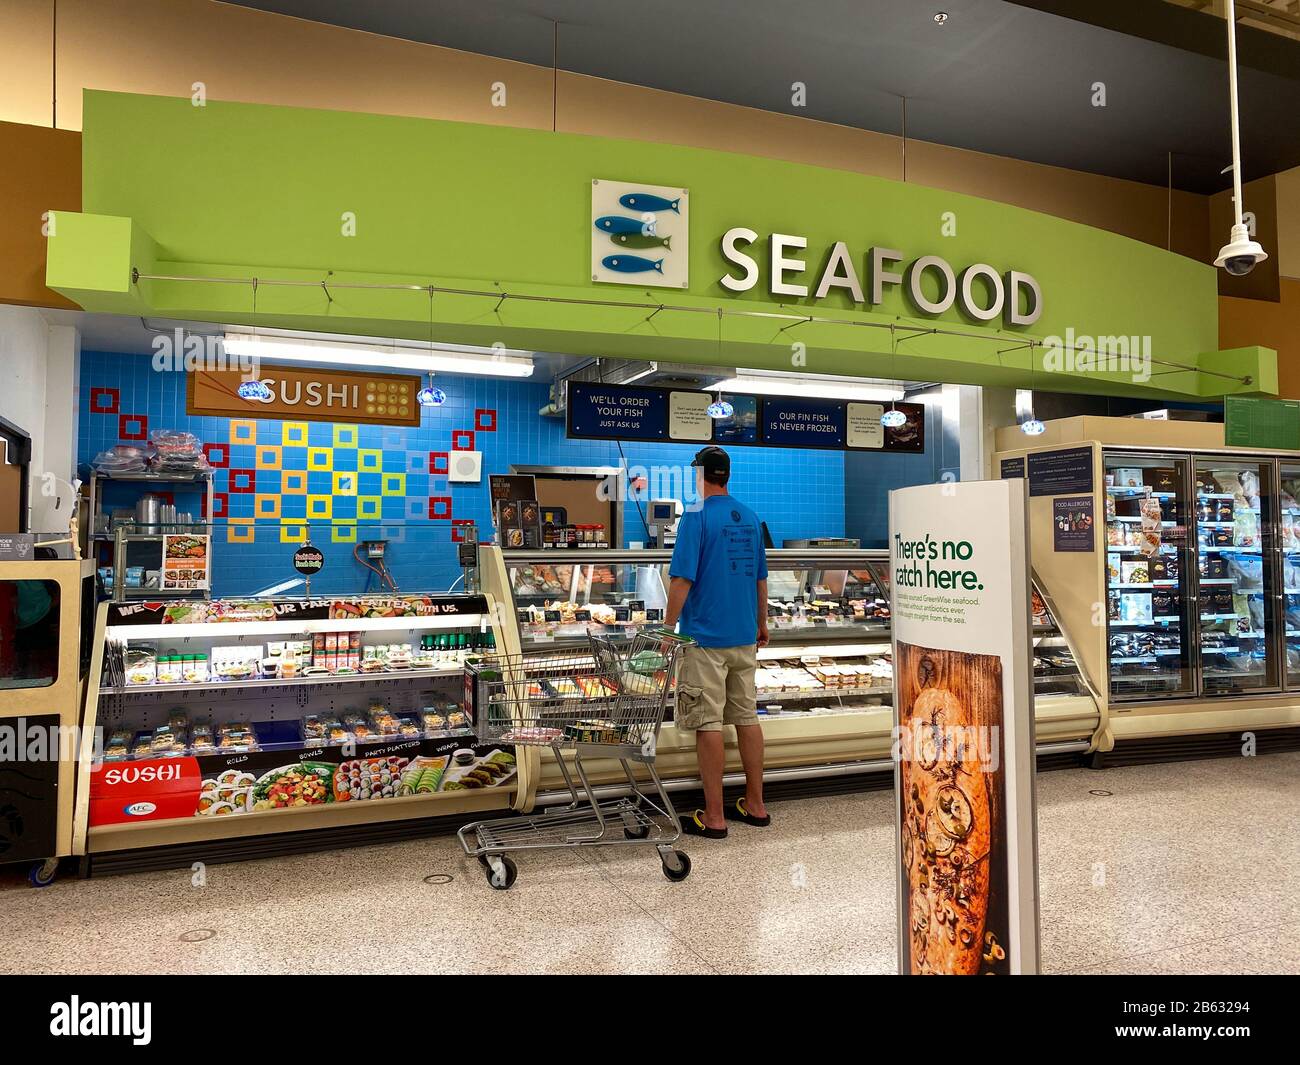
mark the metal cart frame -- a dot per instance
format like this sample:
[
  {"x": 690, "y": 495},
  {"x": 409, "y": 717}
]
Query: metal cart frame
[{"x": 608, "y": 702}]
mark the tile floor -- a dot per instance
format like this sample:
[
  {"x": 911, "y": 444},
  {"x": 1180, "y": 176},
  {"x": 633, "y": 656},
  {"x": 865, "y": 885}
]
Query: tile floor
[{"x": 1190, "y": 867}]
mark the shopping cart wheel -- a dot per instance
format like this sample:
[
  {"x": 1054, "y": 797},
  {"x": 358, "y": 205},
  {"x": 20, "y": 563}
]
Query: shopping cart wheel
[
  {"x": 636, "y": 831},
  {"x": 501, "y": 872},
  {"x": 677, "y": 865},
  {"x": 43, "y": 875}
]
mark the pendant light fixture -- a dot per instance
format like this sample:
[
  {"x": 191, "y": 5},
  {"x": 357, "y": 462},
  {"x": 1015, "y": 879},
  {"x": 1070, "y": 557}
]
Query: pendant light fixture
[
  {"x": 720, "y": 408},
  {"x": 893, "y": 418},
  {"x": 430, "y": 395},
  {"x": 1031, "y": 426},
  {"x": 254, "y": 389}
]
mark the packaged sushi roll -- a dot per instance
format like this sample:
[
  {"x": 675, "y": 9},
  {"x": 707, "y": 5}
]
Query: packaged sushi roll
[{"x": 118, "y": 746}]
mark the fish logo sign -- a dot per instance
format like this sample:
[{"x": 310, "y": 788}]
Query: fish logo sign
[{"x": 639, "y": 234}]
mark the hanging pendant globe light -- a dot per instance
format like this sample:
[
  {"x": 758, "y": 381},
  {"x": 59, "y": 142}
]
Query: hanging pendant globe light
[
  {"x": 720, "y": 408},
  {"x": 254, "y": 390},
  {"x": 430, "y": 395},
  {"x": 893, "y": 418},
  {"x": 1032, "y": 427}
]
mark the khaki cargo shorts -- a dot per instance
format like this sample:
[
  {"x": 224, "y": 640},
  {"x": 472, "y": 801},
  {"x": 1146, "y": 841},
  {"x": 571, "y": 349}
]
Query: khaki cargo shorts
[{"x": 715, "y": 686}]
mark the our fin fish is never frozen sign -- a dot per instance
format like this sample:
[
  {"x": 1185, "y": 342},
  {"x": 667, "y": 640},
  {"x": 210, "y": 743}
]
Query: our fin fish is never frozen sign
[{"x": 639, "y": 234}]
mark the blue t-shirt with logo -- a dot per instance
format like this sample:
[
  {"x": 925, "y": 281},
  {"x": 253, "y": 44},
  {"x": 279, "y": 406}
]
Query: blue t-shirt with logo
[{"x": 720, "y": 551}]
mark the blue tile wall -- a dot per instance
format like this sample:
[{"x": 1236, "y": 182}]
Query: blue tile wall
[{"x": 798, "y": 493}]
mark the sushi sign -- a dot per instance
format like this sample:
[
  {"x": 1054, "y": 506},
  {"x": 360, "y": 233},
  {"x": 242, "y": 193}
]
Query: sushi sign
[{"x": 640, "y": 234}]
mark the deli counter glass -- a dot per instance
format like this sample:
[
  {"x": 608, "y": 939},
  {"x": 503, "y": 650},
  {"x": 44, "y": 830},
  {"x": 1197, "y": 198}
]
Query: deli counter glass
[{"x": 828, "y": 621}]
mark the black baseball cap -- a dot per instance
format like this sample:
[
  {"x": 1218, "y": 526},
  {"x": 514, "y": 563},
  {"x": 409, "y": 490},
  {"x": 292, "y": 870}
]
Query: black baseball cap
[{"x": 713, "y": 460}]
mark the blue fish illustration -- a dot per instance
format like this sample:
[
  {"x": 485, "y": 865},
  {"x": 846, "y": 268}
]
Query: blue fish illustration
[
  {"x": 631, "y": 264},
  {"x": 645, "y": 201},
  {"x": 614, "y": 223}
]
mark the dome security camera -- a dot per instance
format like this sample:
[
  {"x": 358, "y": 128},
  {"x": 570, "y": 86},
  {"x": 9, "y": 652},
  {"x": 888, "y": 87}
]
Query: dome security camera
[{"x": 1241, "y": 254}]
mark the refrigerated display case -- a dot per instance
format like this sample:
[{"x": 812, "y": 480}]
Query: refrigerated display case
[
  {"x": 1148, "y": 576},
  {"x": 824, "y": 680},
  {"x": 1235, "y": 516},
  {"x": 240, "y": 718},
  {"x": 1197, "y": 639}
]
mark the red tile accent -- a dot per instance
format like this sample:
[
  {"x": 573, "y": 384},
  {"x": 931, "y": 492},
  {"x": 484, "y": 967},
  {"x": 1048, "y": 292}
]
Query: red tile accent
[
  {"x": 485, "y": 420},
  {"x": 124, "y": 421},
  {"x": 438, "y": 462},
  {"x": 222, "y": 451},
  {"x": 234, "y": 486},
  {"x": 458, "y": 529},
  {"x": 440, "y": 507},
  {"x": 462, "y": 440},
  {"x": 113, "y": 395},
  {"x": 219, "y": 504}
]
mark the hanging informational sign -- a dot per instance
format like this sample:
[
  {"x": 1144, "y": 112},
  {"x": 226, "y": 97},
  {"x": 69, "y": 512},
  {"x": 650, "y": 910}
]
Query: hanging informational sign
[
  {"x": 186, "y": 562},
  {"x": 678, "y": 415},
  {"x": 803, "y": 422},
  {"x": 963, "y": 729},
  {"x": 1013, "y": 467},
  {"x": 1273, "y": 424},
  {"x": 1072, "y": 524},
  {"x": 309, "y": 394},
  {"x": 308, "y": 560},
  {"x": 1054, "y": 473}
]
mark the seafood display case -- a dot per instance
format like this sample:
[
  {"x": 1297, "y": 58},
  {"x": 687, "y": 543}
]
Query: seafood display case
[
  {"x": 825, "y": 680},
  {"x": 249, "y": 717}
]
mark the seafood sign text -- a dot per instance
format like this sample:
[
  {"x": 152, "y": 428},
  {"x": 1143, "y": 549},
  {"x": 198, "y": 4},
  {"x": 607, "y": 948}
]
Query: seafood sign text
[
  {"x": 928, "y": 551},
  {"x": 982, "y": 292}
]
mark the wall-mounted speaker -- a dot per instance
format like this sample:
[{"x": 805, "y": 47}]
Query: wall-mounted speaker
[{"x": 465, "y": 467}]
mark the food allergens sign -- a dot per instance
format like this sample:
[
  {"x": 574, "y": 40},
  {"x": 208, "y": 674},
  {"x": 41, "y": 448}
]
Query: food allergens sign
[{"x": 963, "y": 729}]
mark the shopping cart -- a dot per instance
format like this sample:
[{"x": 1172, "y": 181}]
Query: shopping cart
[{"x": 608, "y": 702}]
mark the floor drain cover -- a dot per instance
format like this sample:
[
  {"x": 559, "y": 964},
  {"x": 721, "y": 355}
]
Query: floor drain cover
[
  {"x": 197, "y": 935},
  {"x": 1100, "y": 791},
  {"x": 438, "y": 878}
]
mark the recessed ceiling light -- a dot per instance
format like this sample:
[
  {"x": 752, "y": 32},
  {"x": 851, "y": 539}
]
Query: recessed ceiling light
[{"x": 941, "y": 17}]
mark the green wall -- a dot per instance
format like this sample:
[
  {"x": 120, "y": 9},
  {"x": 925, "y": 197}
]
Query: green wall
[{"x": 239, "y": 189}]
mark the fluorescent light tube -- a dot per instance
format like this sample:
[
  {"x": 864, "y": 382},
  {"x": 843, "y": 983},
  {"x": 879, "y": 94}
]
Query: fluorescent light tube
[
  {"x": 380, "y": 355},
  {"x": 809, "y": 387}
]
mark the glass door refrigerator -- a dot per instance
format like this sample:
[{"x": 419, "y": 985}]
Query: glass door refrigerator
[
  {"x": 1288, "y": 548},
  {"x": 1149, "y": 598},
  {"x": 1235, "y": 512}
]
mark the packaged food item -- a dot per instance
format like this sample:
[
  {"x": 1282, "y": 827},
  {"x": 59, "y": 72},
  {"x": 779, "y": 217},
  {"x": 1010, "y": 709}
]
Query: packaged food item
[
  {"x": 201, "y": 739},
  {"x": 408, "y": 726},
  {"x": 141, "y": 664},
  {"x": 358, "y": 726},
  {"x": 118, "y": 746},
  {"x": 236, "y": 736},
  {"x": 336, "y": 732},
  {"x": 313, "y": 729},
  {"x": 1135, "y": 573},
  {"x": 383, "y": 721},
  {"x": 432, "y": 721},
  {"x": 237, "y": 662}
]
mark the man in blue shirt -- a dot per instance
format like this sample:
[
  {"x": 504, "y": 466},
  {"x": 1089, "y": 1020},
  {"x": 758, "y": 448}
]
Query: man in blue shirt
[{"x": 718, "y": 594}]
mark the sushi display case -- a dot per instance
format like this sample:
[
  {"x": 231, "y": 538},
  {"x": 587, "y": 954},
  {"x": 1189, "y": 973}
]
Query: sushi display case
[{"x": 239, "y": 709}]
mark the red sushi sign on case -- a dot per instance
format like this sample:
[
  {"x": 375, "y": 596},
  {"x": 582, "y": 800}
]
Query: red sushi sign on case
[{"x": 154, "y": 789}]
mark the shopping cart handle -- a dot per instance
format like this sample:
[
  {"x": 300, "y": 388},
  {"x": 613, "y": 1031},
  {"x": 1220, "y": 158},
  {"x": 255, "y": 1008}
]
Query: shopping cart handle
[{"x": 668, "y": 634}]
